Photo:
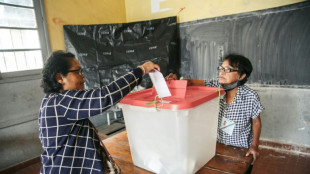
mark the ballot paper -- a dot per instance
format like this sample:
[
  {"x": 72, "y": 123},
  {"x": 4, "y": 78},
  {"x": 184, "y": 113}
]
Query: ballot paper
[{"x": 160, "y": 84}]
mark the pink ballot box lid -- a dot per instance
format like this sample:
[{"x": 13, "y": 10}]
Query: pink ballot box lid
[{"x": 194, "y": 96}]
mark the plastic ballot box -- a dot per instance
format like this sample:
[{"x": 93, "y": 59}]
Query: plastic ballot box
[{"x": 175, "y": 135}]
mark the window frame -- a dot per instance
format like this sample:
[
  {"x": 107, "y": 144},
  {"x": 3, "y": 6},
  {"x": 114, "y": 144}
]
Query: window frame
[{"x": 38, "y": 6}]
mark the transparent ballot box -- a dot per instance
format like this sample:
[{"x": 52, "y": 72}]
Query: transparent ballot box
[{"x": 175, "y": 135}]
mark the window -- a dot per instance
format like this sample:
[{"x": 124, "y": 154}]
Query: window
[{"x": 23, "y": 37}]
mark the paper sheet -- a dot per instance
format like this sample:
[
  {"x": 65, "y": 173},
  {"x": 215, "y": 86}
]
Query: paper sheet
[
  {"x": 160, "y": 84},
  {"x": 227, "y": 125}
]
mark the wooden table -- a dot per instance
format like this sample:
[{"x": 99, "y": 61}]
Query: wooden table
[{"x": 228, "y": 159}]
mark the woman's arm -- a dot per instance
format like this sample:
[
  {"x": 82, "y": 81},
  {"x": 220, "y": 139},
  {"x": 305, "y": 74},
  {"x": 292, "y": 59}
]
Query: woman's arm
[
  {"x": 195, "y": 82},
  {"x": 256, "y": 126},
  {"x": 190, "y": 82},
  {"x": 81, "y": 104}
]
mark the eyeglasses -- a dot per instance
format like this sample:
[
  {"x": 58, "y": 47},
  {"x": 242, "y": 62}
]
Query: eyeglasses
[
  {"x": 226, "y": 70},
  {"x": 80, "y": 71}
]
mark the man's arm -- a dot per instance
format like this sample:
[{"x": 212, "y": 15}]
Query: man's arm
[{"x": 256, "y": 126}]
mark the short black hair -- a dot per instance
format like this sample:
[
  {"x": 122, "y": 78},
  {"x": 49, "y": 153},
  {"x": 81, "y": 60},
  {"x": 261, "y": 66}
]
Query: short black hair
[
  {"x": 243, "y": 64},
  {"x": 57, "y": 62}
]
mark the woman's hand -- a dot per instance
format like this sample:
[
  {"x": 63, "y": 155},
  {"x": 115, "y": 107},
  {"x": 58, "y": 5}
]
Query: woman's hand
[
  {"x": 171, "y": 76},
  {"x": 256, "y": 127},
  {"x": 254, "y": 151},
  {"x": 149, "y": 67}
]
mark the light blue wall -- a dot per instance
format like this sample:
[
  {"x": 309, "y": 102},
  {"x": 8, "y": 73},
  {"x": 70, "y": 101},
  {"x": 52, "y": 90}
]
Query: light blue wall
[
  {"x": 286, "y": 118},
  {"x": 19, "y": 106}
]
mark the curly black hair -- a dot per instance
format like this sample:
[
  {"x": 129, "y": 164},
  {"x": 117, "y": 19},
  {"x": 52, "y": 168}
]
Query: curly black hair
[
  {"x": 57, "y": 62},
  {"x": 243, "y": 64}
]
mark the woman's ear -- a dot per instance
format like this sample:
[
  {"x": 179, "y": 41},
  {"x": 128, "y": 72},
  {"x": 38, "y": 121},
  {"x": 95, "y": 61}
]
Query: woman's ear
[
  {"x": 242, "y": 77},
  {"x": 59, "y": 78}
]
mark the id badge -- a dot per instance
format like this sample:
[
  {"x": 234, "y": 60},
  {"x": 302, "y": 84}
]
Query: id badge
[{"x": 227, "y": 125}]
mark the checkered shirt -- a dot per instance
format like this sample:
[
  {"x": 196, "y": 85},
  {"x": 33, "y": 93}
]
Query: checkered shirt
[
  {"x": 69, "y": 139},
  {"x": 245, "y": 107}
]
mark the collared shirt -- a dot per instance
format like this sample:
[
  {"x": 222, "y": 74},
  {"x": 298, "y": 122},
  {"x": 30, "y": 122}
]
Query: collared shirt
[
  {"x": 245, "y": 107},
  {"x": 69, "y": 139}
]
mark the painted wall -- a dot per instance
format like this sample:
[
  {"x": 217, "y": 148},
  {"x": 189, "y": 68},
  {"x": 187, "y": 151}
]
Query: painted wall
[
  {"x": 75, "y": 12},
  {"x": 287, "y": 116},
  {"x": 189, "y": 10},
  {"x": 19, "y": 106},
  {"x": 20, "y": 101}
]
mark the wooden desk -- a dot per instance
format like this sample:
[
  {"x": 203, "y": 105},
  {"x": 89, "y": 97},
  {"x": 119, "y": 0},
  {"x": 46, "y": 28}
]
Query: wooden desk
[{"x": 228, "y": 159}]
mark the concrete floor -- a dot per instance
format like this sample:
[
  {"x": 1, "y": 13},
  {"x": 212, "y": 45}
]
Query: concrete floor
[{"x": 271, "y": 161}]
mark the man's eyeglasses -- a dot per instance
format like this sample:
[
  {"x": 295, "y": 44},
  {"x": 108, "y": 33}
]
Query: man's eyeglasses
[
  {"x": 226, "y": 70},
  {"x": 77, "y": 70}
]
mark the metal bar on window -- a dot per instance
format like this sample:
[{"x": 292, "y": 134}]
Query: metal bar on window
[
  {"x": 15, "y": 61},
  {"x": 4, "y": 62},
  {"x": 25, "y": 58},
  {"x": 42, "y": 28},
  {"x": 17, "y": 28},
  {"x": 13, "y": 5},
  {"x": 13, "y": 50}
]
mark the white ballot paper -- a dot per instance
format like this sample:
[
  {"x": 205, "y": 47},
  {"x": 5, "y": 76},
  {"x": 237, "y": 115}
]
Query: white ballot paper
[{"x": 160, "y": 84}]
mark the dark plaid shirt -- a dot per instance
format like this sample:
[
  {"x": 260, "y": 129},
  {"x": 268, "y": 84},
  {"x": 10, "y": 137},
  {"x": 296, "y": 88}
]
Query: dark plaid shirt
[
  {"x": 245, "y": 107},
  {"x": 70, "y": 143}
]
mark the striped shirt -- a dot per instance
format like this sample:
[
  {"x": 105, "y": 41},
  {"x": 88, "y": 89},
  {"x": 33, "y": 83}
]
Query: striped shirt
[
  {"x": 69, "y": 139},
  {"x": 245, "y": 107}
]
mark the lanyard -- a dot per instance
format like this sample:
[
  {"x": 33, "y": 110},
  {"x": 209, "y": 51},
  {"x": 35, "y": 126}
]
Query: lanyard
[{"x": 231, "y": 109}]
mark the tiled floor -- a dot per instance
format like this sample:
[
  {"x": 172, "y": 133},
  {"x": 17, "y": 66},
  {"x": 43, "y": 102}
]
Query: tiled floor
[{"x": 270, "y": 162}]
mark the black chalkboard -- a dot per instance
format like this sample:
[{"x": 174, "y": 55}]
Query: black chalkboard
[
  {"x": 108, "y": 51},
  {"x": 277, "y": 41}
]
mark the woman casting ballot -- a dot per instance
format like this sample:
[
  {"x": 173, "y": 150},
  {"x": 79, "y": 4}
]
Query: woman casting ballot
[{"x": 69, "y": 140}]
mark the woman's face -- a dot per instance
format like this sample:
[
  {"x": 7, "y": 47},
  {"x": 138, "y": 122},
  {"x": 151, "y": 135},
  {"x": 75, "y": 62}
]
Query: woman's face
[
  {"x": 73, "y": 80},
  {"x": 228, "y": 78}
]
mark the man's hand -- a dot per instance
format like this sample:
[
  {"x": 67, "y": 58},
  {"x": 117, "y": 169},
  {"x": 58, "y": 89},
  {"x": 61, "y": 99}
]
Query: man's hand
[{"x": 254, "y": 151}]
